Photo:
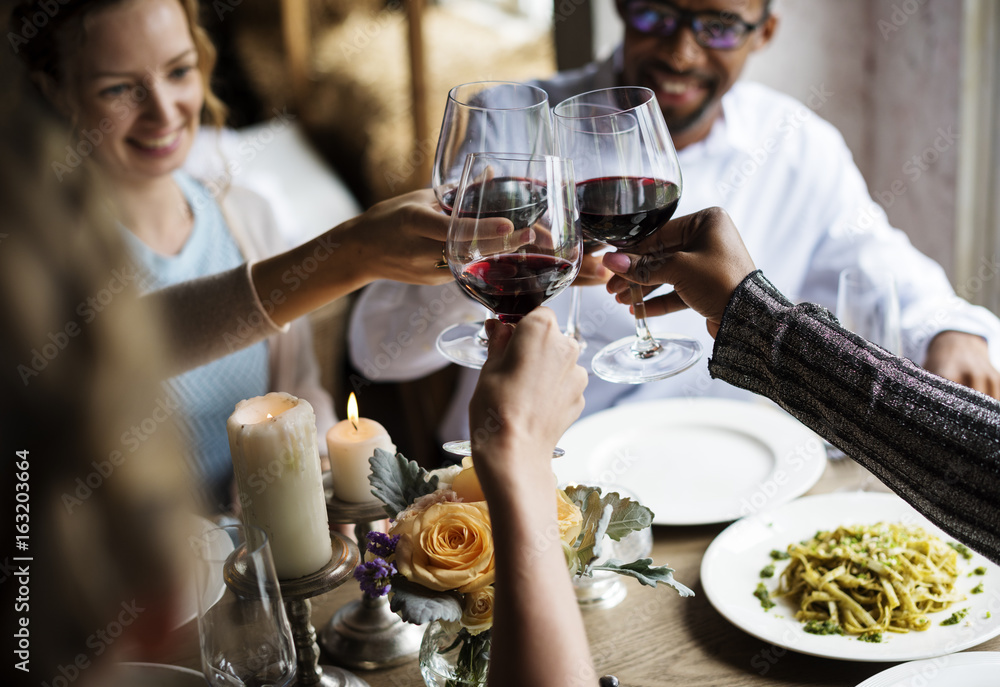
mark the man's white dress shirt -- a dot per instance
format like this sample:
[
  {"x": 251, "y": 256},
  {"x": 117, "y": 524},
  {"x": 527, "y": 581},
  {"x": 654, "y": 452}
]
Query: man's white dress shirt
[{"x": 791, "y": 186}]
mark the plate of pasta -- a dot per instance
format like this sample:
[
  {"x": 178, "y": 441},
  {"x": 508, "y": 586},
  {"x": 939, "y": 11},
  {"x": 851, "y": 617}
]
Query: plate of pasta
[{"x": 854, "y": 576}]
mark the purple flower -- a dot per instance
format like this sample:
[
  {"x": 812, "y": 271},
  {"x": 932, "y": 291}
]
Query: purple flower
[
  {"x": 375, "y": 576},
  {"x": 381, "y": 544}
]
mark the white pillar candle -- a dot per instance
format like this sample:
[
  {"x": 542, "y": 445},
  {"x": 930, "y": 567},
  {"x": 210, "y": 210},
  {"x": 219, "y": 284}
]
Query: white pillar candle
[
  {"x": 351, "y": 443},
  {"x": 275, "y": 453}
]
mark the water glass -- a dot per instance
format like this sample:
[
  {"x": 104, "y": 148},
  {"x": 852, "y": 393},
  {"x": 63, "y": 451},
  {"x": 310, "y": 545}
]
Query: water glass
[
  {"x": 244, "y": 634},
  {"x": 868, "y": 305}
]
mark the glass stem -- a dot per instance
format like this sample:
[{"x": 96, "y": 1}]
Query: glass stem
[
  {"x": 644, "y": 346},
  {"x": 573, "y": 321}
]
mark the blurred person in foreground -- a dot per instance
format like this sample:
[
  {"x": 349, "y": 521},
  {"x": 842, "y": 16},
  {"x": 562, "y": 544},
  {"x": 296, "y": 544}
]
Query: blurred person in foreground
[
  {"x": 785, "y": 176},
  {"x": 87, "y": 439},
  {"x": 132, "y": 80}
]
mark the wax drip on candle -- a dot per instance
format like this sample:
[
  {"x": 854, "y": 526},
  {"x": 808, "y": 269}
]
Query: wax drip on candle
[{"x": 352, "y": 411}]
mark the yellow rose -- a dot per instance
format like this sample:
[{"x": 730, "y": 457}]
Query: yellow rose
[
  {"x": 448, "y": 546},
  {"x": 570, "y": 517},
  {"x": 477, "y": 610},
  {"x": 466, "y": 483}
]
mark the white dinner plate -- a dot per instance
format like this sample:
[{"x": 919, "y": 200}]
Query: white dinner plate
[
  {"x": 695, "y": 461},
  {"x": 157, "y": 675},
  {"x": 221, "y": 547},
  {"x": 973, "y": 669},
  {"x": 730, "y": 571}
]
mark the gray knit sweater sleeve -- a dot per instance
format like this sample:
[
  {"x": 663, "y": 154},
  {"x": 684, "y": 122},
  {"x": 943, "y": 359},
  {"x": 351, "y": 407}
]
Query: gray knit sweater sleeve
[
  {"x": 211, "y": 317},
  {"x": 935, "y": 443}
]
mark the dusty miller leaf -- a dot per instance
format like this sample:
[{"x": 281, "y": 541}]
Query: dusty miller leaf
[
  {"x": 398, "y": 482},
  {"x": 627, "y": 516},
  {"x": 418, "y": 605},
  {"x": 647, "y": 573},
  {"x": 595, "y": 522}
]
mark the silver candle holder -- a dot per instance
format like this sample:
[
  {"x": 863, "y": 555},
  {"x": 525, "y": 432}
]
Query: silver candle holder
[
  {"x": 365, "y": 634},
  {"x": 296, "y": 594}
]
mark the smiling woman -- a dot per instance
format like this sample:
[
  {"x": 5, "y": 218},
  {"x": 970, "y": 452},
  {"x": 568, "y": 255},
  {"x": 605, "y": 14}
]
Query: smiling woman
[{"x": 130, "y": 78}]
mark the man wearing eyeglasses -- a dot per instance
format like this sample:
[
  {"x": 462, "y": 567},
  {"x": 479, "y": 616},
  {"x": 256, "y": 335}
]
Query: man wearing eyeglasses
[{"x": 785, "y": 176}]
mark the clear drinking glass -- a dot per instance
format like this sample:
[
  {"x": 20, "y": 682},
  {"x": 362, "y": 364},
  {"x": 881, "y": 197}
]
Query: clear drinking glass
[
  {"x": 482, "y": 116},
  {"x": 243, "y": 631},
  {"x": 629, "y": 184},
  {"x": 513, "y": 242},
  {"x": 868, "y": 305}
]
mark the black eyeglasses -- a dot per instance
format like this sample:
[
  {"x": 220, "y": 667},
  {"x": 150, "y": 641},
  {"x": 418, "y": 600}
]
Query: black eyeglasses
[{"x": 713, "y": 30}]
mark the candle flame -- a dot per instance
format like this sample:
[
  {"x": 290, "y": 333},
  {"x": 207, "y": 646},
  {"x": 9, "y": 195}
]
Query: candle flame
[
  {"x": 352, "y": 410},
  {"x": 269, "y": 416}
]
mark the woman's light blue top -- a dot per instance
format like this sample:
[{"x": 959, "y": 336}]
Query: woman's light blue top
[{"x": 208, "y": 394}]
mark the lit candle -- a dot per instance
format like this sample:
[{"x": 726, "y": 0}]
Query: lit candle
[
  {"x": 351, "y": 443},
  {"x": 275, "y": 453}
]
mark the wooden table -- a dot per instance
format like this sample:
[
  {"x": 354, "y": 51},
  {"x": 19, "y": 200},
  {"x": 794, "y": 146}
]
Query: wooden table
[{"x": 655, "y": 638}]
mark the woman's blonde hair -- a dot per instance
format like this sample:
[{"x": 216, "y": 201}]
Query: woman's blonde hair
[{"x": 50, "y": 54}]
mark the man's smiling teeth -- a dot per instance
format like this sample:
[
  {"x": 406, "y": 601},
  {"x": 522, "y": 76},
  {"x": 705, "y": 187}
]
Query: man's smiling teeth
[
  {"x": 673, "y": 87},
  {"x": 154, "y": 143}
]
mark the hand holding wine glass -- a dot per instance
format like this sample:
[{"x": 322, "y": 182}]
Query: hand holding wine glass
[
  {"x": 513, "y": 242},
  {"x": 631, "y": 184},
  {"x": 482, "y": 116}
]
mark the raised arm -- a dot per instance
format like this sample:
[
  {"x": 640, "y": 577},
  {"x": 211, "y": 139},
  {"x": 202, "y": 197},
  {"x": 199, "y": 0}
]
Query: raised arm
[
  {"x": 934, "y": 442},
  {"x": 399, "y": 239},
  {"x": 529, "y": 392}
]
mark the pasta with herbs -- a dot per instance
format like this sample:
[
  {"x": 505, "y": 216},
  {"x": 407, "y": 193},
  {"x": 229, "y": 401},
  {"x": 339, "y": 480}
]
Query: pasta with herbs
[{"x": 868, "y": 580}]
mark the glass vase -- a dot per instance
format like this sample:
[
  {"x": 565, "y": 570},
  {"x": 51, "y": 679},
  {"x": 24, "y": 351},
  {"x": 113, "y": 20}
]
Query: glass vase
[{"x": 451, "y": 656}]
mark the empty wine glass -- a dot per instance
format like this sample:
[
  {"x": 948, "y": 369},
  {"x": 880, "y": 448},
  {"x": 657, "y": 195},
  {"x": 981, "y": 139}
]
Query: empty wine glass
[
  {"x": 243, "y": 631},
  {"x": 513, "y": 242},
  {"x": 868, "y": 305},
  {"x": 630, "y": 186},
  {"x": 484, "y": 116}
]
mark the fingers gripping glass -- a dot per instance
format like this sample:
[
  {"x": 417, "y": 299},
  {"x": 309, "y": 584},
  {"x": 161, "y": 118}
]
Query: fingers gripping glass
[
  {"x": 713, "y": 30},
  {"x": 629, "y": 186},
  {"x": 481, "y": 116},
  {"x": 513, "y": 242}
]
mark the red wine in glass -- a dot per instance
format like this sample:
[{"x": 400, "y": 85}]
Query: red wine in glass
[
  {"x": 514, "y": 284},
  {"x": 520, "y": 200},
  {"x": 622, "y": 211}
]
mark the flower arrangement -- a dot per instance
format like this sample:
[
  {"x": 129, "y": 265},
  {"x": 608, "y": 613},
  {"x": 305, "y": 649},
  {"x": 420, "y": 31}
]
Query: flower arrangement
[{"x": 437, "y": 561}]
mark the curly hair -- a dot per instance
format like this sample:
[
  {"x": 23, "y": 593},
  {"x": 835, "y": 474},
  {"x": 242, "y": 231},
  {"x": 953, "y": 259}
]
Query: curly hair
[{"x": 47, "y": 36}]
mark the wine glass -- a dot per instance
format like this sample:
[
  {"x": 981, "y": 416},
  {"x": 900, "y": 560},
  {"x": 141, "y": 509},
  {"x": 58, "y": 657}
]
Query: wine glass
[
  {"x": 868, "y": 305},
  {"x": 513, "y": 242},
  {"x": 484, "y": 116},
  {"x": 631, "y": 184},
  {"x": 243, "y": 631}
]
